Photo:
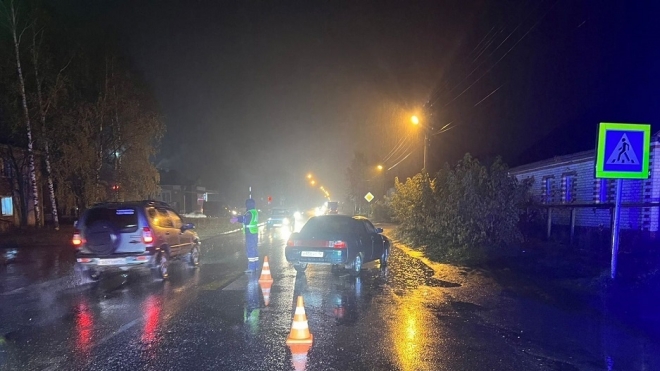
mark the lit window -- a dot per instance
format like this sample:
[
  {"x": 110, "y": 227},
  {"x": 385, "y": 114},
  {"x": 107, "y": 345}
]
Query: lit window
[
  {"x": 548, "y": 190},
  {"x": 569, "y": 187},
  {"x": 602, "y": 191},
  {"x": 7, "y": 206}
]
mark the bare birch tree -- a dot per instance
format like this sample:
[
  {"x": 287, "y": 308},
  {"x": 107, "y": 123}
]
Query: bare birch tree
[
  {"x": 17, "y": 29},
  {"x": 44, "y": 104}
]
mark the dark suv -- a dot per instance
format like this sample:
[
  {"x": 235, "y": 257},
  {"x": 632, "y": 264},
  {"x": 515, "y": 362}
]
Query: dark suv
[{"x": 126, "y": 235}]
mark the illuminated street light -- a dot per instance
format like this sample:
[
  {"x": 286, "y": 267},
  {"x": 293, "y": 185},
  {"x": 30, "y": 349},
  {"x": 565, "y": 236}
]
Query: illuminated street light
[
  {"x": 415, "y": 120},
  {"x": 313, "y": 182},
  {"x": 379, "y": 167},
  {"x": 309, "y": 176}
]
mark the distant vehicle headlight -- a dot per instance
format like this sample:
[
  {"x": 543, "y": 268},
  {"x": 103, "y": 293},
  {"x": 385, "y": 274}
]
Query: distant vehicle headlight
[
  {"x": 285, "y": 221},
  {"x": 297, "y": 215},
  {"x": 233, "y": 212}
]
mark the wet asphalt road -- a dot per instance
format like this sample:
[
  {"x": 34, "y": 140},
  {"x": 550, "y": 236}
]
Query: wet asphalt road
[{"x": 408, "y": 316}]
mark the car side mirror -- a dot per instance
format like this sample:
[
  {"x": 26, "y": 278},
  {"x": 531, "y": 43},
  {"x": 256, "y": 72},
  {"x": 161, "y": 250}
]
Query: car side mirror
[
  {"x": 187, "y": 226},
  {"x": 379, "y": 230}
]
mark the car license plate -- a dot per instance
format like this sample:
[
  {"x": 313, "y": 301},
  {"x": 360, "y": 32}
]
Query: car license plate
[
  {"x": 312, "y": 254},
  {"x": 112, "y": 261}
]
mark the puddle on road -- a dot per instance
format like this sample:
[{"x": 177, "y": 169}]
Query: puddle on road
[
  {"x": 413, "y": 273},
  {"x": 462, "y": 306},
  {"x": 434, "y": 282}
]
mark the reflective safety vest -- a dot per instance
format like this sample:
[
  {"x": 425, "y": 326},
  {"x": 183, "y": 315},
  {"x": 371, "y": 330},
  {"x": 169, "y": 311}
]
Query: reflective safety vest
[{"x": 253, "y": 227}]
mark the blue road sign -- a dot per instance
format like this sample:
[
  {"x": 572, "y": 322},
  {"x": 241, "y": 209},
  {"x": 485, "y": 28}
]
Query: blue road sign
[{"x": 623, "y": 151}]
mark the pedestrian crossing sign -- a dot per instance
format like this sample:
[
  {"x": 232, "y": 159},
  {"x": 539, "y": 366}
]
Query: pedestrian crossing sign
[{"x": 623, "y": 151}]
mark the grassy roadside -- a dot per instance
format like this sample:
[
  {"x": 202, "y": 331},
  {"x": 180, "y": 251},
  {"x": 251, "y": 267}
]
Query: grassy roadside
[{"x": 574, "y": 279}]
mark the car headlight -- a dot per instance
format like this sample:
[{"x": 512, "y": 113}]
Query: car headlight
[
  {"x": 297, "y": 215},
  {"x": 285, "y": 221}
]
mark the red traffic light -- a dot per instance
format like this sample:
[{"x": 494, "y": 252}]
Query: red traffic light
[{"x": 270, "y": 199}]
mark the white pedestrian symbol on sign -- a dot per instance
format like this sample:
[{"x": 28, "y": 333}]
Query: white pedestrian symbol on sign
[{"x": 623, "y": 153}]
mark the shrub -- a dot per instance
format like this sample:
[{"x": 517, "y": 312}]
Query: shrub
[
  {"x": 465, "y": 213},
  {"x": 381, "y": 211}
]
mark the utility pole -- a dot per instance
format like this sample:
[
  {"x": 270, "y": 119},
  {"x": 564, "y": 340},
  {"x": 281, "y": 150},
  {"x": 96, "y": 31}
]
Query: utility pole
[
  {"x": 426, "y": 148},
  {"x": 427, "y": 141}
]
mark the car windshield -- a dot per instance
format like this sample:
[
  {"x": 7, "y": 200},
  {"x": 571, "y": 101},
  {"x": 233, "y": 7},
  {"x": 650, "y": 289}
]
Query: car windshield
[
  {"x": 122, "y": 219},
  {"x": 279, "y": 212},
  {"x": 317, "y": 226}
]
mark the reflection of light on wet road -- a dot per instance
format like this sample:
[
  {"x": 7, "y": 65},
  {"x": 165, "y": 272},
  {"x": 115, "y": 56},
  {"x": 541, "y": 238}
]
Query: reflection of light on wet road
[
  {"x": 152, "y": 308},
  {"x": 408, "y": 339},
  {"x": 84, "y": 326},
  {"x": 413, "y": 333}
]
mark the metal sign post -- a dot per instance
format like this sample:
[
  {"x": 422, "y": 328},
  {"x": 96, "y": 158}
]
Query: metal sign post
[
  {"x": 615, "y": 228},
  {"x": 623, "y": 153}
]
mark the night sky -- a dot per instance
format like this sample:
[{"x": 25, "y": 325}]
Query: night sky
[{"x": 258, "y": 93}]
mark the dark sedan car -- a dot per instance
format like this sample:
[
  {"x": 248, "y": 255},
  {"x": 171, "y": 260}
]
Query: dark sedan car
[{"x": 337, "y": 240}]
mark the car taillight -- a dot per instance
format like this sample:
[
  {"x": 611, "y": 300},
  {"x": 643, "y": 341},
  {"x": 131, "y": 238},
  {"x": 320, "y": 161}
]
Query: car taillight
[
  {"x": 147, "y": 237},
  {"x": 77, "y": 239},
  {"x": 290, "y": 243},
  {"x": 340, "y": 245}
]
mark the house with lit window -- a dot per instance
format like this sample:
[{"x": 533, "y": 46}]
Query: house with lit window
[
  {"x": 182, "y": 194},
  {"x": 16, "y": 197},
  {"x": 6, "y": 197},
  {"x": 563, "y": 181}
]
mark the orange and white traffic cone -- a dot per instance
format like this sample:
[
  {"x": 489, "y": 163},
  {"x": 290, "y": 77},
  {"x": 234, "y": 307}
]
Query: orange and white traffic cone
[
  {"x": 299, "y": 328},
  {"x": 265, "y": 272},
  {"x": 265, "y": 291}
]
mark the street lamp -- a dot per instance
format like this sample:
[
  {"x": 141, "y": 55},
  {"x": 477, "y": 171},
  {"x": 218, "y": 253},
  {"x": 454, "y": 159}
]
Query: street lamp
[
  {"x": 312, "y": 182},
  {"x": 309, "y": 176},
  {"x": 379, "y": 167}
]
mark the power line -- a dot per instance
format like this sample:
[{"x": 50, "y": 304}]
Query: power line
[
  {"x": 505, "y": 54},
  {"x": 493, "y": 52}
]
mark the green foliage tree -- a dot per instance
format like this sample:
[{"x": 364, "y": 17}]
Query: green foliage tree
[
  {"x": 117, "y": 134},
  {"x": 466, "y": 213}
]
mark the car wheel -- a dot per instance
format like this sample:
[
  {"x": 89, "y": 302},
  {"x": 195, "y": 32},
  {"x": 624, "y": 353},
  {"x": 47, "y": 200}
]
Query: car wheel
[
  {"x": 194, "y": 256},
  {"x": 356, "y": 267},
  {"x": 161, "y": 270},
  {"x": 94, "y": 274},
  {"x": 385, "y": 256},
  {"x": 300, "y": 267}
]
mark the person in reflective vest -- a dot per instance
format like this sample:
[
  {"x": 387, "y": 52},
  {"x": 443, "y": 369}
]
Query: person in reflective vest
[{"x": 250, "y": 222}]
